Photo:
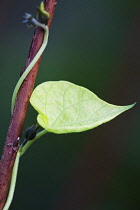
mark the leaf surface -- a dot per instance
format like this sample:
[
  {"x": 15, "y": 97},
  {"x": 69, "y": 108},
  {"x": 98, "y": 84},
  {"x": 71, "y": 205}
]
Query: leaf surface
[{"x": 64, "y": 107}]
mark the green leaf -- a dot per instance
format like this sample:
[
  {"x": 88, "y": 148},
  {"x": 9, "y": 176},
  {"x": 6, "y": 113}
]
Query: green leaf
[{"x": 64, "y": 107}]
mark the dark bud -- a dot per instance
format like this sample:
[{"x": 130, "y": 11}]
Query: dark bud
[{"x": 31, "y": 132}]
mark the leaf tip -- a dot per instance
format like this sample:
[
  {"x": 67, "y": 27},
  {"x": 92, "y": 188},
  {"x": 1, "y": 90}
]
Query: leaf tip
[{"x": 131, "y": 105}]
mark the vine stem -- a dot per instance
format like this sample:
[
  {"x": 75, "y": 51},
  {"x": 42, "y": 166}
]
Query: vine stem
[
  {"x": 19, "y": 83},
  {"x": 18, "y": 117},
  {"x": 20, "y": 152},
  {"x": 29, "y": 68},
  {"x": 13, "y": 182}
]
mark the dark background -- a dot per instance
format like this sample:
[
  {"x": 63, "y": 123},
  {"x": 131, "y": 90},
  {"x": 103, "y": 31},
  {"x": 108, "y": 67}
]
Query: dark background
[{"x": 95, "y": 44}]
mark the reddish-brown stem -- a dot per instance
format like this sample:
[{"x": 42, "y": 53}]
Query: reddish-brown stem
[{"x": 19, "y": 114}]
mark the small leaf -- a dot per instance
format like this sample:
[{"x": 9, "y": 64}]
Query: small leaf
[{"x": 64, "y": 107}]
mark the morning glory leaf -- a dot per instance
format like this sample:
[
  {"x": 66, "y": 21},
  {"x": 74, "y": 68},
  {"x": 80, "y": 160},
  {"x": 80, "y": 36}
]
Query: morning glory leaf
[{"x": 64, "y": 107}]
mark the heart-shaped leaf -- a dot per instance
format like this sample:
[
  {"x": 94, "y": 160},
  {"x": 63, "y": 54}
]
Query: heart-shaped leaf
[{"x": 64, "y": 107}]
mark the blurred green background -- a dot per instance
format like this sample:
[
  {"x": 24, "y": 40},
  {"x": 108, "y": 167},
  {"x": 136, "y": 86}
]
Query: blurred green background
[{"x": 95, "y": 44}]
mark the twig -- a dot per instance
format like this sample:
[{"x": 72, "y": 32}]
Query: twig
[{"x": 19, "y": 114}]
